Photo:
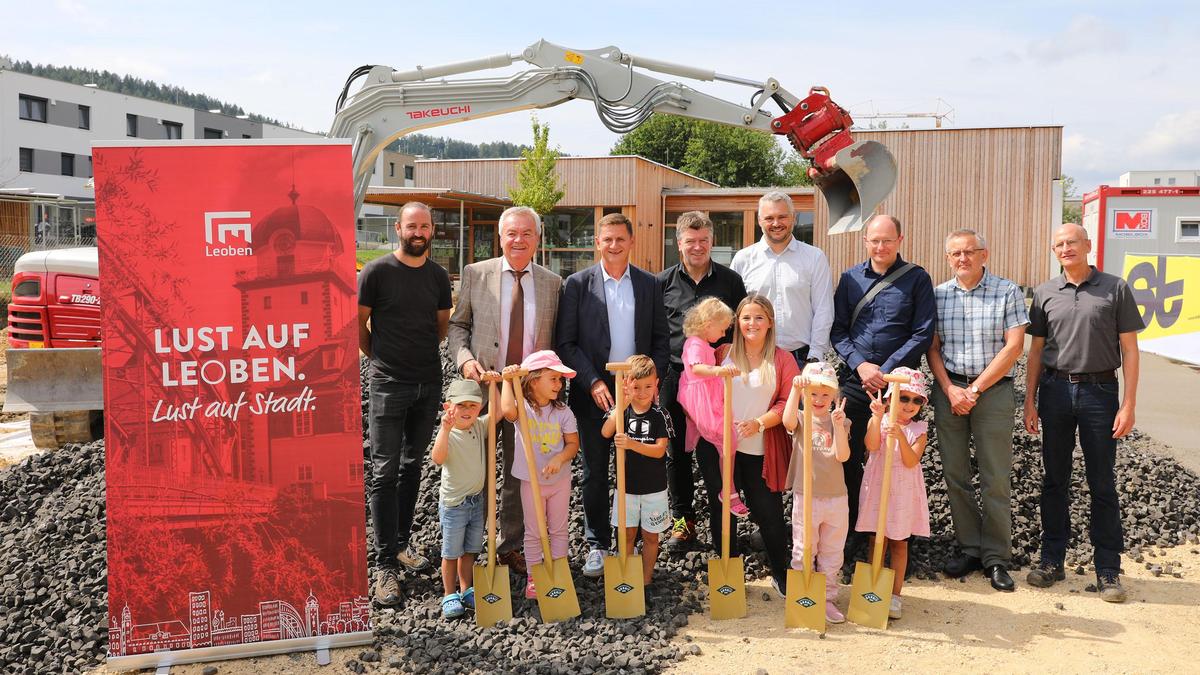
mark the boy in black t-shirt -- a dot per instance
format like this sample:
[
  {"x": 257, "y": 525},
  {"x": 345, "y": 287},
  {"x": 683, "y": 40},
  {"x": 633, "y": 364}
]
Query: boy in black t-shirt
[{"x": 647, "y": 432}]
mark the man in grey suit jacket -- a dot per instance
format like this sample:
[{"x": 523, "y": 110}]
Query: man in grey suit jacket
[{"x": 482, "y": 338}]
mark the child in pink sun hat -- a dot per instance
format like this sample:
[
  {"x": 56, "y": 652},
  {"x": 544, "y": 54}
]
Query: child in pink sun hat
[{"x": 908, "y": 504}]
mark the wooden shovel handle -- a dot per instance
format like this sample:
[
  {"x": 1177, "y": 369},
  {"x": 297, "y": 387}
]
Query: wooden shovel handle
[
  {"x": 726, "y": 466},
  {"x": 493, "y": 411},
  {"x": 619, "y": 369},
  {"x": 885, "y": 489},
  {"x": 808, "y": 480},
  {"x": 531, "y": 463}
]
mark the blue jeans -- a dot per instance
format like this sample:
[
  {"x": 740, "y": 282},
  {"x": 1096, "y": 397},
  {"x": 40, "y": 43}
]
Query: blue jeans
[
  {"x": 1091, "y": 408},
  {"x": 462, "y": 526},
  {"x": 401, "y": 421}
]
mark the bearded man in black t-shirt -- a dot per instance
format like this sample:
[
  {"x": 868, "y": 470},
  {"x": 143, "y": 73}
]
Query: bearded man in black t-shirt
[{"x": 405, "y": 297}]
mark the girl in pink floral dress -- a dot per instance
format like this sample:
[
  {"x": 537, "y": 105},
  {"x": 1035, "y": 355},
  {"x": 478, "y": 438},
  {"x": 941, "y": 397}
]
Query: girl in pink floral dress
[{"x": 908, "y": 505}]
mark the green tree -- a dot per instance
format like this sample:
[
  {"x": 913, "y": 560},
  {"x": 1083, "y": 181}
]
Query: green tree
[
  {"x": 538, "y": 185},
  {"x": 1071, "y": 213},
  {"x": 725, "y": 155}
]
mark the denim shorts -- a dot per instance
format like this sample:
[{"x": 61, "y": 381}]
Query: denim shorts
[
  {"x": 651, "y": 511},
  {"x": 462, "y": 527}
]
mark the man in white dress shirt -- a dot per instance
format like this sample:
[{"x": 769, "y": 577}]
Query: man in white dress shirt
[{"x": 795, "y": 276}]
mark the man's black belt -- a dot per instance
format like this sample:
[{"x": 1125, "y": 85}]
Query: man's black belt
[
  {"x": 1089, "y": 378},
  {"x": 955, "y": 377}
]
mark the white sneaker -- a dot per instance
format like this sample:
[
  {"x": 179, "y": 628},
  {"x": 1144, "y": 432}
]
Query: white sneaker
[
  {"x": 593, "y": 565},
  {"x": 895, "y": 610}
]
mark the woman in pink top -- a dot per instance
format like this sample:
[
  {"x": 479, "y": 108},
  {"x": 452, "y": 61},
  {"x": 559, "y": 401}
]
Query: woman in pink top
[
  {"x": 908, "y": 505},
  {"x": 701, "y": 391}
]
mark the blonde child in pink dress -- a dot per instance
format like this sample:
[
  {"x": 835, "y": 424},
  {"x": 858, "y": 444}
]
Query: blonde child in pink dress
[
  {"x": 908, "y": 505},
  {"x": 701, "y": 392}
]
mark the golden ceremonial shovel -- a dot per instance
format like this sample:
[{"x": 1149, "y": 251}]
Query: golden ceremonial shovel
[
  {"x": 805, "y": 606},
  {"x": 624, "y": 590},
  {"x": 493, "y": 594},
  {"x": 726, "y": 576},
  {"x": 871, "y": 588},
  {"x": 552, "y": 577}
]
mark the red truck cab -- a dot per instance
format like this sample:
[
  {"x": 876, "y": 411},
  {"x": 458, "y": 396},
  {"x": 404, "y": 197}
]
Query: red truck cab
[{"x": 55, "y": 300}]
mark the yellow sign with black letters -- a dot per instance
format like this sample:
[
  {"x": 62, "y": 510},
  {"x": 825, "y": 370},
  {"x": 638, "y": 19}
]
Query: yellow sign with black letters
[{"x": 1167, "y": 291}]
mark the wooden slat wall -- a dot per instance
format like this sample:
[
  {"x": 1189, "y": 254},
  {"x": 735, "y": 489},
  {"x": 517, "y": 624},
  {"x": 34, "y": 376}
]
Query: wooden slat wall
[
  {"x": 14, "y": 220},
  {"x": 995, "y": 181}
]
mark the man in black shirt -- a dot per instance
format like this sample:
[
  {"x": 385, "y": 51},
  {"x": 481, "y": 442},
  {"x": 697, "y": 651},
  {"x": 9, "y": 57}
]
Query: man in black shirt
[
  {"x": 406, "y": 298},
  {"x": 695, "y": 277}
]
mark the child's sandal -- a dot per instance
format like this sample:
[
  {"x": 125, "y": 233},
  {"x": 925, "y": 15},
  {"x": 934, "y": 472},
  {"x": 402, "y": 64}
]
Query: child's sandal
[
  {"x": 468, "y": 598},
  {"x": 452, "y": 606}
]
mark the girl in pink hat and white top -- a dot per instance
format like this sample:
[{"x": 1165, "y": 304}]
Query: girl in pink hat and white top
[
  {"x": 555, "y": 442},
  {"x": 908, "y": 505}
]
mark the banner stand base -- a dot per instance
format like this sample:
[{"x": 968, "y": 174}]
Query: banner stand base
[
  {"x": 323, "y": 657},
  {"x": 162, "y": 661},
  {"x": 163, "y": 670}
]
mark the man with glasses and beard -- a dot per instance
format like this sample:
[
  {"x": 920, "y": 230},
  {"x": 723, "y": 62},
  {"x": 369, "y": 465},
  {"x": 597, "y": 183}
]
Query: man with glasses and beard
[{"x": 406, "y": 298}]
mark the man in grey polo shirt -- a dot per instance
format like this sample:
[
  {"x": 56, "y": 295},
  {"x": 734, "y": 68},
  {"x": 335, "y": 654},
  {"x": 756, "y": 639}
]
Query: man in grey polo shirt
[
  {"x": 1084, "y": 325},
  {"x": 980, "y": 334}
]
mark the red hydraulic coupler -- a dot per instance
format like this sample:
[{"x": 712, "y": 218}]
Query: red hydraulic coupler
[{"x": 818, "y": 128}]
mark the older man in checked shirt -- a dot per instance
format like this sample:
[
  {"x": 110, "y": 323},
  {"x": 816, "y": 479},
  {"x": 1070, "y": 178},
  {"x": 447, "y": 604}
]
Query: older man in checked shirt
[{"x": 980, "y": 334}]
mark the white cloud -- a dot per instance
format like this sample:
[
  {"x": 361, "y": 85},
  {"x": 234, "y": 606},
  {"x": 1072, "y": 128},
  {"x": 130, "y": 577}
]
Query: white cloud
[
  {"x": 1084, "y": 35},
  {"x": 1173, "y": 140},
  {"x": 1084, "y": 152}
]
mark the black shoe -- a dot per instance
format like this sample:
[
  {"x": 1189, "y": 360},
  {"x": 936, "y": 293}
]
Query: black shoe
[
  {"x": 1045, "y": 574},
  {"x": 755, "y": 541},
  {"x": 1001, "y": 581},
  {"x": 1108, "y": 583},
  {"x": 962, "y": 566}
]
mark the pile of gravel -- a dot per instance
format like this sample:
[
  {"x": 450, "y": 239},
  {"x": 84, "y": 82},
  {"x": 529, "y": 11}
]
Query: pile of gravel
[{"x": 53, "y": 588}]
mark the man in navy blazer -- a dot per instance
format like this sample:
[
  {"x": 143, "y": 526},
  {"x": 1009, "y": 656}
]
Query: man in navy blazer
[{"x": 608, "y": 312}]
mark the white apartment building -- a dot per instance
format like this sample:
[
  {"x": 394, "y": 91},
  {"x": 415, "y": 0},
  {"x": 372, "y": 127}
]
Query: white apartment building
[
  {"x": 1159, "y": 179},
  {"x": 47, "y": 128}
]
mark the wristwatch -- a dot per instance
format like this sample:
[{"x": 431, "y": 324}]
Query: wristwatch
[{"x": 974, "y": 389}]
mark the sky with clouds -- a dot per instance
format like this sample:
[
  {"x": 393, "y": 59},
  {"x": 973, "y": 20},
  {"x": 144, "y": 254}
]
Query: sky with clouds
[{"x": 1122, "y": 79}]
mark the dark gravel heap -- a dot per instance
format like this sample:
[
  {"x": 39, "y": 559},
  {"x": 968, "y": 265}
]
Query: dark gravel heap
[{"x": 53, "y": 589}]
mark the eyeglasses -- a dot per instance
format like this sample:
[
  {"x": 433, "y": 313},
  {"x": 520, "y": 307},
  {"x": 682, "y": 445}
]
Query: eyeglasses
[
  {"x": 964, "y": 253},
  {"x": 876, "y": 243},
  {"x": 906, "y": 400}
]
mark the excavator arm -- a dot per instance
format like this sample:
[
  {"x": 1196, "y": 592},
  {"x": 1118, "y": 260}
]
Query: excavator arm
[{"x": 854, "y": 177}]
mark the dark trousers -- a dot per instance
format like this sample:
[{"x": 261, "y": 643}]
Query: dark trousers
[
  {"x": 597, "y": 457},
  {"x": 709, "y": 461},
  {"x": 801, "y": 356},
  {"x": 766, "y": 511},
  {"x": 858, "y": 411},
  {"x": 510, "y": 518},
  {"x": 402, "y": 418},
  {"x": 681, "y": 484},
  {"x": 1091, "y": 408}
]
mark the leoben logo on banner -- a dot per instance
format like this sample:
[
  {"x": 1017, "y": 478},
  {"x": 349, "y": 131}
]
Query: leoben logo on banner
[{"x": 235, "y": 223}]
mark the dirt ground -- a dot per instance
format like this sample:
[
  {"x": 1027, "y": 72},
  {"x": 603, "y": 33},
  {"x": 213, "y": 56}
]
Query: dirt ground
[
  {"x": 968, "y": 627},
  {"x": 6, "y": 417},
  {"x": 948, "y": 626}
]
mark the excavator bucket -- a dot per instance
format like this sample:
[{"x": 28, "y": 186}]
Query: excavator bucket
[
  {"x": 864, "y": 175},
  {"x": 54, "y": 380}
]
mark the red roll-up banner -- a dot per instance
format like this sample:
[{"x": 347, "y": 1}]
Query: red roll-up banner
[{"x": 232, "y": 406}]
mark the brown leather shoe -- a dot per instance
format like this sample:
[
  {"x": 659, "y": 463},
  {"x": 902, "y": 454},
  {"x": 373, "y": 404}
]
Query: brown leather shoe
[{"x": 514, "y": 560}]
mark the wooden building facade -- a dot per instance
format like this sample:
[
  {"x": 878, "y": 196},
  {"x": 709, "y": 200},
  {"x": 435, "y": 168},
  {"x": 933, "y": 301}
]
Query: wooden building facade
[{"x": 1000, "y": 182}]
